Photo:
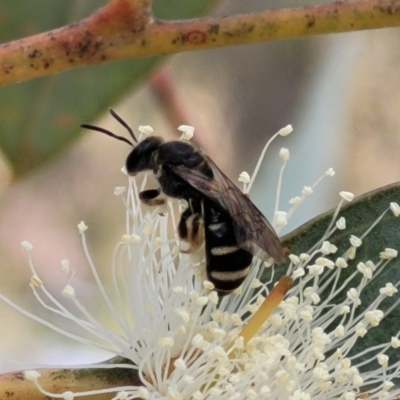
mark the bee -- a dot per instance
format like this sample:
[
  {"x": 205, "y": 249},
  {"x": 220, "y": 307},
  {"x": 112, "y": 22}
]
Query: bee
[{"x": 232, "y": 227}]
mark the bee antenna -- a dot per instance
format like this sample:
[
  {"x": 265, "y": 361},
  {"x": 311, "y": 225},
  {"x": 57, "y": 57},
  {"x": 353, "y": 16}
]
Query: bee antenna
[
  {"x": 107, "y": 132},
  {"x": 123, "y": 123}
]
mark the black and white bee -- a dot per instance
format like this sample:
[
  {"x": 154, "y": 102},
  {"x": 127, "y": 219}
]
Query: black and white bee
[{"x": 231, "y": 226}]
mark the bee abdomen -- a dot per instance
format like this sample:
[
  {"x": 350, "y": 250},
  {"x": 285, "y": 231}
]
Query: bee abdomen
[{"x": 227, "y": 263}]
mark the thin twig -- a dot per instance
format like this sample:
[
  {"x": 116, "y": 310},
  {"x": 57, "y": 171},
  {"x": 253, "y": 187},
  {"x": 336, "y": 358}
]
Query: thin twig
[{"x": 125, "y": 29}]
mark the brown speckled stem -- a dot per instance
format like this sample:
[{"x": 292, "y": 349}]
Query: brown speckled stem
[{"x": 125, "y": 28}]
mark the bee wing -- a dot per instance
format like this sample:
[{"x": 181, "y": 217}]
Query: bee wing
[{"x": 252, "y": 230}]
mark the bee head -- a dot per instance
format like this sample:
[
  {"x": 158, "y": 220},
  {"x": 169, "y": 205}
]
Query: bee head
[{"x": 142, "y": 157}]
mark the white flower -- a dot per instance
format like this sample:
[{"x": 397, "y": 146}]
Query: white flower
[{"x": 283, "y": 341}]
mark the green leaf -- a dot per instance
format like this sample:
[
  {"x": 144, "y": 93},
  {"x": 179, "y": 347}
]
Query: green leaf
[
  {"x": 39, "y": 118},
  {"x": 359, "y": 215}
]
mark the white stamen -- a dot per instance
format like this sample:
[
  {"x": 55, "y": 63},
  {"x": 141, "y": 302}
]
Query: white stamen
[
  {"x": 287, "y": 130},
  {"x": 32, "y": 375},
  {"x": 383, "y": 360},
  {"x": 341, "y": 262},
  {"x": 69, "y": 292},
  {"x": 244, "y": 177},
  {"x": 341, "y": 223},
  {"x": 82, "y": 227},
  {"x": 187, "y": 132},
  {"x": 389, "y": 290},
  {"x": 119, "y": 190},
  {"x": 330, "y": 172},
  {"x": 26, "y": 245},
  {"x": 388, "y": 254},
  {"x": 146, "y": 130},
  {"x": 284, "y": 154},
  {"x": 355, "y": 241},
  {"x": 64, "y": 267},
  {"x": 348, "y": 196},
  {"x": 395, "y": 208}
]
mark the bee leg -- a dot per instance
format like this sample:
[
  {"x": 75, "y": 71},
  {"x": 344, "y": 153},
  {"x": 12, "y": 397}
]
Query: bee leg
[
  {"x": 152, "y": 197},
  {"x": 191, "y": 231}
]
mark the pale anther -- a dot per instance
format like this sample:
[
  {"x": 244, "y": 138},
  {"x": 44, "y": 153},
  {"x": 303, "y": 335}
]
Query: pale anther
[
  {"x": 328, "y": 248},
  {"x": 389, "y": 290},
  {"x": 82, "y": 227},
  {"x": 180, "y": 364},
  {"x": 202, "y": 300},
  {"x": 295, "y": 201},
  {"x": 198, "y": 341},
  {"x": 123, "y": 395},
  {"x": 208, "y": 285},
  {"x": 239, "y": 343},
  {"x": 284, "y": 154},
  {"x": 339, "y": 331},
  {"x": 298, "y": 273},
  {"x": 395, "y": 208},
  {"x": 360, "y": 329},
  {"x": 330, "y": 172},
  {"x": 146, "y": 130},
  {"x": 288, "y": 129},
  {"x": 69, "y": 292},
  {"x": 304, "y": 257},
  {"x": 307, "y": 313},
  {"x": 64, "y": 266},
  {"x": 26, "y": 245},
  {"x": 370, "y": 265},
  {"x": 383, "y": 360},
  {"x": 395, "y": 342},
  {"x": 315, "y": 269},
  {"x": 31, "y": 375},
  {"x": 187, "y": 131},
  {"x": 280, "y": 218},
  {"x": 387, "y": 385},
  {"x": 367, "y": 272},
  {"x": 374, "y": 317},
  {"x": 119, "y": 190},
  {"x": 213, "y": 296},
  {"x": 344, "y": 310},
  {"x": 341, "y": 223},
  {"x": 353, "y": 295},
  {"x": 355, "y": 241},
  {"x": 181, "y": 330},
  {"x": 348, "y": 196},
  {"x": 244, "y": 177},
  {"x": 68, "y": 395},
  {"x": 36, "y": 281},
  {"x": 294, "y": 259},
  {"x": 315, "y": 299},
  {"x": 325, "y": 262},
  {"x": 307, "y": 190},
  {"x": 255, "y": 283},
  {"x": 388, "y": 254},
  {"x": 341, "y": 262},
  {"x": 183, "y": 314}
]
